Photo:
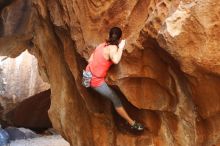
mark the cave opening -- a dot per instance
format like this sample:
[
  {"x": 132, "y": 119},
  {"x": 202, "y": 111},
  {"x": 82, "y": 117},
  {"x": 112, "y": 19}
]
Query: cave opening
[{"x": 24, "y": 95}]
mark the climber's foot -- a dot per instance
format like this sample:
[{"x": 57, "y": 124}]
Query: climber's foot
[{"x": 137, "y": 126}]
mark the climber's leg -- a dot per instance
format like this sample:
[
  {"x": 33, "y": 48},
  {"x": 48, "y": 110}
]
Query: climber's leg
[
  {"x": 107, "y": 92},
  {"x": 134, "y": 125},
  {"x": 121, "y": 111}
]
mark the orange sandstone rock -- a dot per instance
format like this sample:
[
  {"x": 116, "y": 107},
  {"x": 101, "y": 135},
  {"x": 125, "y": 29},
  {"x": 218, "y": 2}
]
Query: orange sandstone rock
[{"x": 168, "y": 77}]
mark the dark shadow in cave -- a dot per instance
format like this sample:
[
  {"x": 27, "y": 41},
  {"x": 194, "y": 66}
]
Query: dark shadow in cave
[{"x": 139, "y": 115}]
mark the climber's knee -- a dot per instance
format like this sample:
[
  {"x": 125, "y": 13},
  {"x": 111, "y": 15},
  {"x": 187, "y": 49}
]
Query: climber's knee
[
  {"x": 107, "y": 92},
  {"x": 116, "y": 102}
]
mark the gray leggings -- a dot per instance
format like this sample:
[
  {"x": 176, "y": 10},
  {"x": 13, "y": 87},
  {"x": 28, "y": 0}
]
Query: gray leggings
[{"x": 107, "y": 92}]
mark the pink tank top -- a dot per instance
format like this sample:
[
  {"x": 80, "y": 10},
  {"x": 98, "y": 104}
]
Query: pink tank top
[{"x": 98, "y": 66}]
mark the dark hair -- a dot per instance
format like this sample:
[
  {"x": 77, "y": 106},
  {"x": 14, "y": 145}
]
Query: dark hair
[{"x": 115, "y": 34}]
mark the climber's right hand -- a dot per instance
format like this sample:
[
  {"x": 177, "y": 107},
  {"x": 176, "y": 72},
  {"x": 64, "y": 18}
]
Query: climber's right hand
[{"x": 122, "y": 44}]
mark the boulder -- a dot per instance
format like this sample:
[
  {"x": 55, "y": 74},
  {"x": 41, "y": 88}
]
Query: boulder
[{"x": 168, "y": 77}]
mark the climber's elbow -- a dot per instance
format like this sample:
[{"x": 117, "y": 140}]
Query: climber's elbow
[{"x": 115, "y": 60}]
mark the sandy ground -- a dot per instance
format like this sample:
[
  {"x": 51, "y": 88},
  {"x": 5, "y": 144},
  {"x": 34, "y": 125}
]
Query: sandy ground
[{"x": 54, "y": 140}]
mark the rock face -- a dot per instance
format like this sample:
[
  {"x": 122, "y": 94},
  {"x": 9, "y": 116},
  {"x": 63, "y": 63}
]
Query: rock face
[
  {"x": 168, "y": 77},
  {"x": 21, "y": 73},
  {"x": 32, "y": 112}
]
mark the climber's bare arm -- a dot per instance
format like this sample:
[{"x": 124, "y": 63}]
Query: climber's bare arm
[{"x": 115, "y": 53}]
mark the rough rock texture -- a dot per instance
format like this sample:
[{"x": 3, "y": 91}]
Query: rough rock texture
[{"x": 168, "y": 77}]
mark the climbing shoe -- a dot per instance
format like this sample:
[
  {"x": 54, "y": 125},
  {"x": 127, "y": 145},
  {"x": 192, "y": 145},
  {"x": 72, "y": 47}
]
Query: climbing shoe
[{"x": 137, "y": 126}]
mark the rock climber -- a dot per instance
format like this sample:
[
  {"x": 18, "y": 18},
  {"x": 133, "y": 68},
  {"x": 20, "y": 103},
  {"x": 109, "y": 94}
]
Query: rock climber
[{"x": 106, "y": 54}]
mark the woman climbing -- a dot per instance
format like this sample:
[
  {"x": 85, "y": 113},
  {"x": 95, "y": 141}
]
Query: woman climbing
[{"x": 106, "y": 54}]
